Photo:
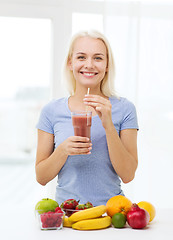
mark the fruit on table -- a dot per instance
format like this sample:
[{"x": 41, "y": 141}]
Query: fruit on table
[
  {"x": 69, "y": 212},
  {"x": 118, "y": 220},
  {"x": 149, "y": 208},
  {"x": 137, "y": 217},
  {"x": 52, "y": 219},
  {"x": 69, "y": 204},
  {"x": 88, "y": 205},
  {"x": 118, "y": 204},
  {"x": 81, "y": 207},
  {"x": 92, "y": 224},
  {"x": 58, "y": 210},
  {"x": 67, "y": 223},
  {"x": 46, "y": 205},
  {"x": 89, "y": 213},
  {"x": 84, "y": 206}
]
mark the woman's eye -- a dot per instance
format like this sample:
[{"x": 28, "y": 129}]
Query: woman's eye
[
  {"x": 81, "y": 57},
  {"x": 98, "y": 58}
]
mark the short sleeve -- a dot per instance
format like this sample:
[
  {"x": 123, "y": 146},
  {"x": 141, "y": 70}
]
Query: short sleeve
[
  {"x": 129, "y": 118},
  {"x": 44, "y": 122}
]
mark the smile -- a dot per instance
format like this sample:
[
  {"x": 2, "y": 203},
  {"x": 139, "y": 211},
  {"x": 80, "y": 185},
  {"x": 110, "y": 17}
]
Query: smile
[{"x": 88, "y": 74}]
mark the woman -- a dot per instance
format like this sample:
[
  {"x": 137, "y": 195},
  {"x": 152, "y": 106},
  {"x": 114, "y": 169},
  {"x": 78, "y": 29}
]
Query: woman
[{"x": 89, "y": 171}]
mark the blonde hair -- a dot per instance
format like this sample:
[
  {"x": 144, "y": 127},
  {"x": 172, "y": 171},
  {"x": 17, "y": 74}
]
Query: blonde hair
[{"x": 107, "y": 84}]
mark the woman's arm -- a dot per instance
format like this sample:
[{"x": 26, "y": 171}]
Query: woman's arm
[
  {"x": 47, "y": 167},
  {"x": 123, "y": 149},
  {"x": 123, "y": 152},
  {"x": 49, "y": 161}
]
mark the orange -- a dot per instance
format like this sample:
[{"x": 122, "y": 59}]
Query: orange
[
  {"x": 149, "y": 208},
  {"x": 118, "y": 204}
]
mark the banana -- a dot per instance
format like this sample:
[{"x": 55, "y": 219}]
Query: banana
[
  {"x": 67, "y": 223},
  {"x": 89, "y": 213},
  {"x": 93, "y": 224}
]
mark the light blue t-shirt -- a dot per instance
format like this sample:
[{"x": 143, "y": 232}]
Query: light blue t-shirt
[{"x": 87, "y": 177}]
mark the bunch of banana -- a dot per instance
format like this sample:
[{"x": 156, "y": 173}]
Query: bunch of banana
[
  {"x": 93, "y": 224},
  {"x": 66, "y": 222},
  {"x": 89, "y": 219}
]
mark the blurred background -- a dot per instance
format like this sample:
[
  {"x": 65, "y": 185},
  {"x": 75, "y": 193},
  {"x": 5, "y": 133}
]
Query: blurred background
[{"x": 33, "y": 40}]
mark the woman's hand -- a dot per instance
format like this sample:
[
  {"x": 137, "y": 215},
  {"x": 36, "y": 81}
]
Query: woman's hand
[
  {"x": 76, "y": 145},
  {"x": 103, "y": 108}
]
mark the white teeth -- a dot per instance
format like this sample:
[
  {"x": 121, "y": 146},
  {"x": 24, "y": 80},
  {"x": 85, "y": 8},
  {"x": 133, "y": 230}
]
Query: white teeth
[{"x": 89, "y": 74}]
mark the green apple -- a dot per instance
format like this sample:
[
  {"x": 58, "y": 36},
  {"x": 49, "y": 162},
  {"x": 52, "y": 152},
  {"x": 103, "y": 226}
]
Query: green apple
[{"x": 46, "y": 205}]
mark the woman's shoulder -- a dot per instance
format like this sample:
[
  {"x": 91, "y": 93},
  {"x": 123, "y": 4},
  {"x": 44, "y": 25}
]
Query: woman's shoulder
[
  {"x": 121, "y": 103},
  {"x": 60, "y": 102},
  {"x": 124, "y": 110},
  {"x": 119, "y": 100}
]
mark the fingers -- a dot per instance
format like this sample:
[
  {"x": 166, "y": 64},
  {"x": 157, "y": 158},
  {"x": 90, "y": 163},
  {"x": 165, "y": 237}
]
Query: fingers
[
  {"x": 102, "y": 106},
  {"x": 80, "y": 151},
  {"x": 81, "y": 144},
  {"x": 97, "y": 102},
  {"x": 79, "y": 139},
  {"x": 77, "y": 145},
  {"x": 96, "y": 99}
]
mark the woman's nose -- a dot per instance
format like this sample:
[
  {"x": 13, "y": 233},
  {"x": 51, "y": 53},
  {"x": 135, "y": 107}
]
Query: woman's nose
[{"x": 89, "y": 63}]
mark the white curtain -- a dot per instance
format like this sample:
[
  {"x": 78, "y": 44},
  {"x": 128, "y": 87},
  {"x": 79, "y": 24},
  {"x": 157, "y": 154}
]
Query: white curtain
[{"x": 141, "y": 36}]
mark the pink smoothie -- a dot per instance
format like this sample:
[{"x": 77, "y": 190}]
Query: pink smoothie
[{"x": 82, "y": 125}]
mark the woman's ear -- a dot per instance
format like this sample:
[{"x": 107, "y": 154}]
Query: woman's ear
[
  {"x": 107, "y": 66},
  {"x": 70, "y": 64}
]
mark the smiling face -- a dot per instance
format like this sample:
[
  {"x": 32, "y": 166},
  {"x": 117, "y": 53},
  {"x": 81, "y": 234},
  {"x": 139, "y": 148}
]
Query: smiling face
[{"x": 88, "y": 62}]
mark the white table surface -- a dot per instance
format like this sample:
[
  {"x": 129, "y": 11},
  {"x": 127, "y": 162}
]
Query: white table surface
[{"x": 19, "y": 223}]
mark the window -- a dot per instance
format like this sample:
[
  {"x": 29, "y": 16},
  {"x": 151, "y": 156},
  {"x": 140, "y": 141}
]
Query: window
[
  {"x": 86, "y": 21},
  {"x": 25, "y": 78}
]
